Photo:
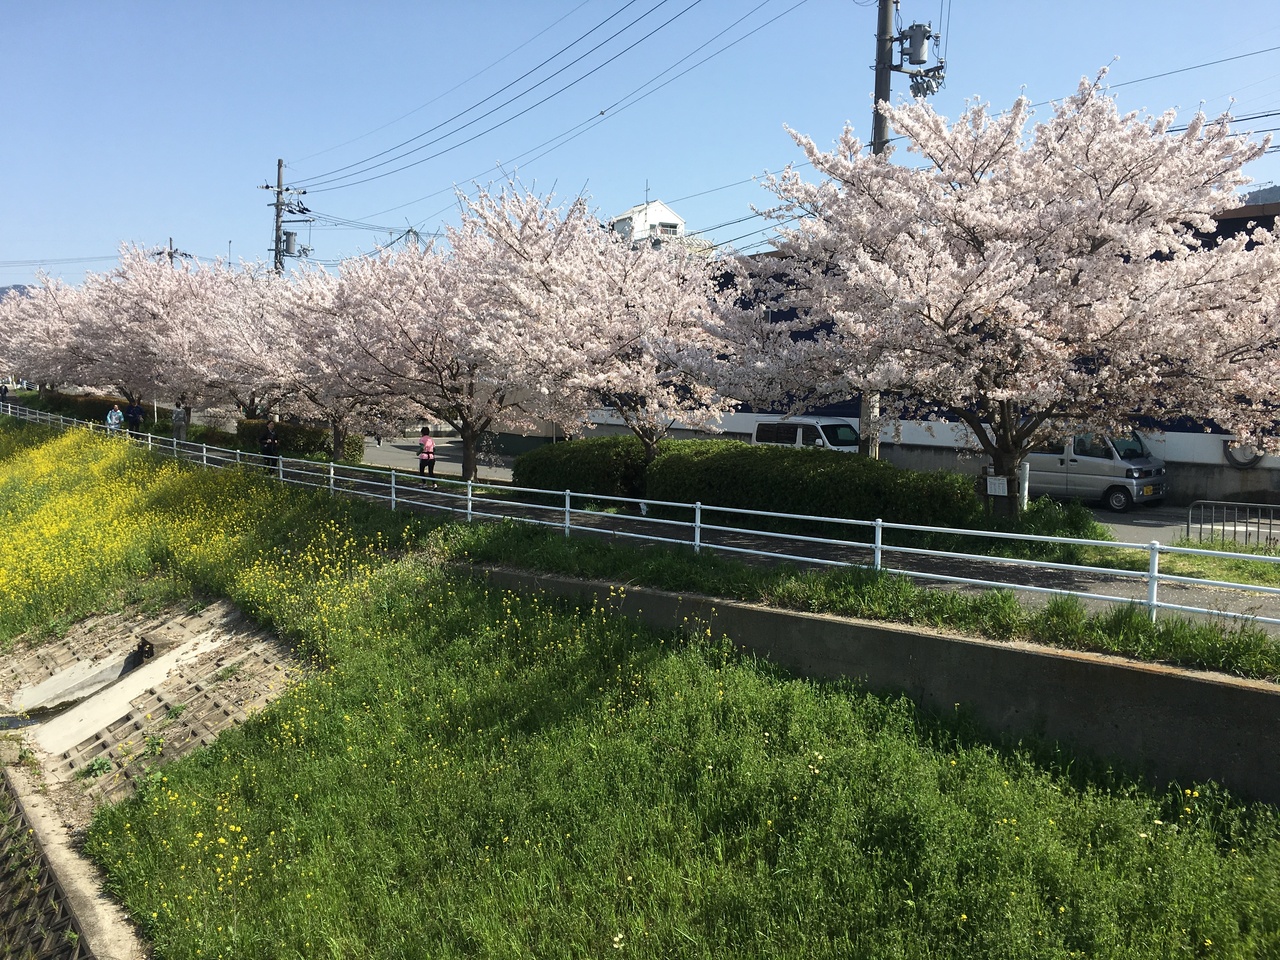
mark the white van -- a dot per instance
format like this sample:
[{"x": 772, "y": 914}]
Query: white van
[
  {"x": 1119, "y": 471},
  {"x": 828, "y": 433}
]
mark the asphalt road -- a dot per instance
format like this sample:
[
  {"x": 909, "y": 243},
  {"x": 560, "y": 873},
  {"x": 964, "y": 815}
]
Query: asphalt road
[{"x": 1143, "y": 524}]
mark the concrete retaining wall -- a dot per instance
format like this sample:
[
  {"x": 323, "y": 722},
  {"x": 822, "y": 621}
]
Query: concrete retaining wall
[{"x": 1167, "y": 723}]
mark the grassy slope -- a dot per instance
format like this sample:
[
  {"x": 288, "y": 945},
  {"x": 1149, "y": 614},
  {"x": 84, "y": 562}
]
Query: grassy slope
[{"x": 473, "y": 774}]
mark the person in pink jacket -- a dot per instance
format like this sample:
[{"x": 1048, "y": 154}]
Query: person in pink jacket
[{"x": 427, "y": 457}]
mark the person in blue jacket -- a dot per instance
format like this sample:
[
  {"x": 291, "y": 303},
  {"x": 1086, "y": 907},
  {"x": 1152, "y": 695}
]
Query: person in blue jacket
[{"x": 133, "y": 415}]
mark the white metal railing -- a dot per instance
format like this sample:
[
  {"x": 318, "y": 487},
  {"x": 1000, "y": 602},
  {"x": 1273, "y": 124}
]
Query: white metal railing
[
  {"x": 1253, "y": 524},
  {"x": 870, "y": 544}
]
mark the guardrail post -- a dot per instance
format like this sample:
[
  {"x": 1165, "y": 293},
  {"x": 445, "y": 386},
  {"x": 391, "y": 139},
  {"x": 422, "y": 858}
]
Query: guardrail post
[
  {"x": 393, "y": 489},
  {"x": 204, "y": 455},
  {"x": 878, "y": 545},
  {"x": 280, "y": 469},
  {"x": 568, "y": 516},
  {"x": 697, "y": 527},
  {"x": 331, "y": 487},
  {"x": 1153, "y": 578},
  {"x": 469, "y": 482}
]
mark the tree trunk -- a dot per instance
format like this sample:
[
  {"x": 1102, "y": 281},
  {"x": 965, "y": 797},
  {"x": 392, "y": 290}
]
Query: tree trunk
[
  {"x": 649, "y": 439},
  {"x": 339, "y": 439},
  {"x": 1005, "y": 464},
  {"x": 470, "y": 438}
]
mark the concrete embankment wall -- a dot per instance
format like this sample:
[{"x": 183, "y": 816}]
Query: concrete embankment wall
[{"x": 1167, "y": 724}]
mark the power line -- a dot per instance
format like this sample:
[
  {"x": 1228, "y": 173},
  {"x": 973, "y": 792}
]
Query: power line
[
  {"x": 55, "y": 261},
  {"x": 474, "y": 106},
  {"x": 322, "y": 182},
  {"x": 456, "y": 86},
  {"x": 583, "y": 126},
  {"x": 622, "y": 104},
  {"x": 1211, "y": 63}
]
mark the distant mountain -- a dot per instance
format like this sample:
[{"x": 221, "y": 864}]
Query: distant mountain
[
  {"x": 20, "y": 288},
  {"x": 1265, "y": 195}
]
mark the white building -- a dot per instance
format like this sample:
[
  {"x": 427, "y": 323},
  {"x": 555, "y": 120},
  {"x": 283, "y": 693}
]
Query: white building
[{"x": 652, "y": 219}]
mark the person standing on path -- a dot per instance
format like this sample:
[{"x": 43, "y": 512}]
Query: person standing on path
[
  {"x": 133, "y": 414},
  {"x": 115, "y": 417},
  {"x": 269, "y": 445},
  {"x": 180, "y": 415},
  {"x": 427, "y": 458}
]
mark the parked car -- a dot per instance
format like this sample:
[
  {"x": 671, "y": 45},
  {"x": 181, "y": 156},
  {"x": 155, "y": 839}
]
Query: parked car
[
  {"x": 829, "y": 433},
  {"x": 1119, "y": 471}
]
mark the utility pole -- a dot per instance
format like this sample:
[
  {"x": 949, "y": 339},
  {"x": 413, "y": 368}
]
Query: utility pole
[
  {"x": 923, "y": 82},
  {"x": 884, "y": 76},
  {"x": 278, "y": 235},
  {"x": 170, "y": 253},
  {"x": 869, "y": 409},
  {"x": 282, "y": 206}
]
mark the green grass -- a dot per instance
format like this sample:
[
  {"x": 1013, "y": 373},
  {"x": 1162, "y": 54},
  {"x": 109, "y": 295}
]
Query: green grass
[
  {"x": 477, "y": 774},
  {"x": 469, "y": 773},
  {"x": 997, "y": 615}
]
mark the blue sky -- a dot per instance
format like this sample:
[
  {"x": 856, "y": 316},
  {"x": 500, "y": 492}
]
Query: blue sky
[{"x": 142, "y": 121}]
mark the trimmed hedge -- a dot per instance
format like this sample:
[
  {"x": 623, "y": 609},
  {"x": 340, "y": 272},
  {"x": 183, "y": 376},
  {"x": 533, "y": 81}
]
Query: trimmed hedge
[
  {"x": 813, "y": 482},
  {"x": 608, "y": 466},
  {"x": 730, "y": 473}
]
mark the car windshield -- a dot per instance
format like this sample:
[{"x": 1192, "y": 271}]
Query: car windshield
[
  {"x": 840, "y": 435},
  {"x": 1130, "y": 447}
]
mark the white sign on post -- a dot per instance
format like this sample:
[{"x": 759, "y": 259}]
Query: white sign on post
[{"x": 997, "y": 486}]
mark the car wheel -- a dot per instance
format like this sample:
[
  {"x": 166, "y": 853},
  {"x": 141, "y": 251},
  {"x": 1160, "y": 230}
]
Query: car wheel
[{"x": 1118, "y": 499}]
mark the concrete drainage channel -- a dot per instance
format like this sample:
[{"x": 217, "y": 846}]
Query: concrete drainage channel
[
  {"x": 86, "y": 717},
  {"x": 36, "y": 918}
]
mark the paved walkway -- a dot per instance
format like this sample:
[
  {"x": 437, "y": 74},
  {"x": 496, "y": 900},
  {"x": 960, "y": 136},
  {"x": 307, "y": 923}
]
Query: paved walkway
[{"x": 402, "y": 454}]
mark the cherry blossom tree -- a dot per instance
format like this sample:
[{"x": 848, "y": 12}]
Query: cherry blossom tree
[
  {"x": 612, "y": 325},
  {"x": 37, "y": 332},
  {"x": 139, "y": 329},
  {"x": 641, "y": 317},
  {"x": 1027, "y": 279},
  {"x": 323, "y": 374},
  {"x": 247, "y": 336},
  {"x": 427, "y": 330}
]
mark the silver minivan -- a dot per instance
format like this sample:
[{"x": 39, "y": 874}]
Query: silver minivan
[
  {"x": 1119, "y": 471},
  {"x": 829, "y": 433}
]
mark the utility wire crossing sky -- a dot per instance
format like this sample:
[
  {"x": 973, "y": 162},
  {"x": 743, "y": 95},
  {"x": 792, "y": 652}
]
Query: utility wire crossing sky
[{"x": 153, "y": 124}]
